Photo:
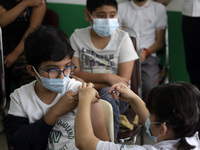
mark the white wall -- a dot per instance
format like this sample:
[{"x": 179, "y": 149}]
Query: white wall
[{"x": 174, "y": 5}]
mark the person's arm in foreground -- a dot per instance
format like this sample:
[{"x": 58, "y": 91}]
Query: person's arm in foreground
[
  {"x": 36, "y": 19},
  {"x": 84, "y": 135}
]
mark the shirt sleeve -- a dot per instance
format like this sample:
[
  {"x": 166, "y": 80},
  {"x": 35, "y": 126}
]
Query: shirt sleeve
[
  {"x": 25, "y": 136},
  {"x": 112, "y": 146},
  {"x": 74, "y": 45},
  {"x": 127, "y": 52}
]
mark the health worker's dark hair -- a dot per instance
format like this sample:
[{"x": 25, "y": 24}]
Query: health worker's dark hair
[
  {"x": 47, "y": 43},
  {"x": 176, "y": 104}
]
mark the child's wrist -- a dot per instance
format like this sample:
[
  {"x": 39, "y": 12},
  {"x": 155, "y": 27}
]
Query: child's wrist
[{"x": 147, "y": 52}]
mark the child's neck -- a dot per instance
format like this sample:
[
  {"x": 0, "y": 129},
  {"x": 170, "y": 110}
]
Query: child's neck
[
  {"x": 99, "y": 42},
  {"x": 44, "y": 95}
]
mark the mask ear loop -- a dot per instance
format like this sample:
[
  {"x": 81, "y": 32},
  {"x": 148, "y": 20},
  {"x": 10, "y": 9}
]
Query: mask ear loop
[{"x": 38, "y": 76}]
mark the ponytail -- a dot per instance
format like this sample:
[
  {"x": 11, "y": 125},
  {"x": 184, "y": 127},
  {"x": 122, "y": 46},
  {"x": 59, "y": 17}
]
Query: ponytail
[{"x": 183, "y": 145}]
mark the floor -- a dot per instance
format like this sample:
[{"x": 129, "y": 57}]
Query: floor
[{"x": 3, "y": 142}]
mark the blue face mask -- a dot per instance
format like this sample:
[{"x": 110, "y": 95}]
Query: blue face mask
[
  {"x": 53, "y": 84},
  {"x": 147, "y": 125},
  {"x": 105, "y": 27}
]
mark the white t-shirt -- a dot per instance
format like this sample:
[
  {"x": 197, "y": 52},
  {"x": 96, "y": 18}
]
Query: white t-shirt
[
  {"x": 25, "y": 103},
  {"x": 119, "y": 50},
  {"x": 191, "y": 8},
  {"x": 164, "y": 145},
  {"x": 144, "y": 20}
]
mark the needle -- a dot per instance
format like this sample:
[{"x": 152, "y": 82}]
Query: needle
[{"x": 108, "y": 93}]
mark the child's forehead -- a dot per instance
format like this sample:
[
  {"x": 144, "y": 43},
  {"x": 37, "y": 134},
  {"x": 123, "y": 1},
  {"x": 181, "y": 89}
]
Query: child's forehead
[
  {"x": 63, "y": 62},
  {"x": 106, "y": 9}
]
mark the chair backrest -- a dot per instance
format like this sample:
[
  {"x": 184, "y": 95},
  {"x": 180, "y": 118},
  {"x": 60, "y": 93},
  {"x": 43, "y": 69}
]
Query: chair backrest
[
  {"x": 136, "y": 80},
  {"x": 108, "y": 116},
  {"x": 136, "y": 86},
  {"x": 2, "y": 78},
  {"x": 163, "y": 54},
  {"x": 51, "y": 18}
]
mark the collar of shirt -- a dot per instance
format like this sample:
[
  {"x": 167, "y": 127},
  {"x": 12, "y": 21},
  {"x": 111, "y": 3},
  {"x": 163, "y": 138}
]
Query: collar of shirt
[{"x": 135, "y": 6}]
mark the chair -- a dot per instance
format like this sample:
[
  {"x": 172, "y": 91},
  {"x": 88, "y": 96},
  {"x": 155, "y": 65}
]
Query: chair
[
  {"x": 163, "y": 54},
  {"x": 108, "y": 115},
  {"x": 136, "y": 86},
  {"x": 2, "y": 79},
  {"x": 3, "y": 102},
  {"x": 51, "y": 18}
]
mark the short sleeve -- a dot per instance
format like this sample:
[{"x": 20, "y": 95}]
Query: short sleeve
[
  {"x": 16, "y": 107},
  {"x": 127, "y": 51},
  {"x": 74, "y": 45}
]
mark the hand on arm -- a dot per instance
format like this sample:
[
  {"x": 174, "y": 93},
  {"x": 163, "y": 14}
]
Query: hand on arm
[
  {"x": 67, "y": 103},
  {"x": 126, "y": 94},
  {"x": 36, "y": 19}
]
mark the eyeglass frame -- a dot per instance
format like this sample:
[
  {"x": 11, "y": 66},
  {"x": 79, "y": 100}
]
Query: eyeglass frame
[{"x": 74, "y": 66}]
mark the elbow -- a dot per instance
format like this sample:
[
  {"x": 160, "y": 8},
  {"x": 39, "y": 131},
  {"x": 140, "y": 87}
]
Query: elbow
[
  {"x": 80, "y": 144},
  {"x": 2, "y": 24}
]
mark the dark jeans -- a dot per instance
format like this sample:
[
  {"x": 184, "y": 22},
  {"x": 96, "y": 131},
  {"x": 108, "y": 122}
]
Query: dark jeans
[{"x": 119, "y": 107}]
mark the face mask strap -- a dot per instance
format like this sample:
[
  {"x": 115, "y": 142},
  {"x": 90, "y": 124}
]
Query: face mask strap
[{"x": 37, "y": 73}]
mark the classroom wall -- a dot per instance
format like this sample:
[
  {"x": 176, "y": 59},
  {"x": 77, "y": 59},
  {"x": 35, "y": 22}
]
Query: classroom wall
[{"x": 71, "y": 16}]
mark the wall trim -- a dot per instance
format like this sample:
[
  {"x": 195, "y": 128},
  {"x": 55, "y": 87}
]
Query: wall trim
[{"x": 80, "y": 2}]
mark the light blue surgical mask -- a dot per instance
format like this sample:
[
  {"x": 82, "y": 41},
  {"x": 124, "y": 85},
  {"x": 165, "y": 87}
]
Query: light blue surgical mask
[
  {"x": 147, "y": 125},
  {"x": 53, "y": 84},
  {"x": 105, "y": 27}
]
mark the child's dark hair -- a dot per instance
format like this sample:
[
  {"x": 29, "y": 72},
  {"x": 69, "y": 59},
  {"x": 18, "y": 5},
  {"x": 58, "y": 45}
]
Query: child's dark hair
[
  {"x": 176, "y": 104},
  {"x": 92, "y": 5},
  {"x": 47, "y": 43}
]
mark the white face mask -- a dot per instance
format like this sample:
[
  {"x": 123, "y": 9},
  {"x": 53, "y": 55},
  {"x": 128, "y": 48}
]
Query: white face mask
[
  {"x": 105, "y": 27},
  {"x": 53, "y": 84}
]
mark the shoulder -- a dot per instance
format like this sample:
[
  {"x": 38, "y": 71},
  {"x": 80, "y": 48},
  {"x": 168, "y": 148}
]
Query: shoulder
[
  {"x": 157, "y": 6},
  {"x": 80, "y": 32},
  {"x": 80, "y": 35},
  {"x": 24, "y": 90},
  {"x": 121, "y": 33},
  {"x": 123, "y": 4}
]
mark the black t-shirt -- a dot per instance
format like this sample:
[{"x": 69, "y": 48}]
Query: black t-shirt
[{"x": 13, "y": 32}]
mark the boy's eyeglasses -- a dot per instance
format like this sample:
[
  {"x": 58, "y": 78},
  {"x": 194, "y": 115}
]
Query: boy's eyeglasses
[{"x": 55, "y": 73}]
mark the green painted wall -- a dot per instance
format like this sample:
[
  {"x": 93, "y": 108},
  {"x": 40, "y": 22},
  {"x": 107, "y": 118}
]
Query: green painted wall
[{"x": 72, "y": 16}]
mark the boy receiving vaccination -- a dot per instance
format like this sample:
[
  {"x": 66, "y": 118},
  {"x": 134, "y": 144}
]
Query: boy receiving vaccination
[
  {"x": 171, "y": 117},
  {"x": 104, "y": 54},
  {"x": 41, "y": 114}
]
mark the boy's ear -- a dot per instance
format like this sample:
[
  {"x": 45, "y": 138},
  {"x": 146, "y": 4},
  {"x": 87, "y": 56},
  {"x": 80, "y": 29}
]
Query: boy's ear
[
  {"x": 31, "y": 70},
  {"x": 87, "y": 15}
]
